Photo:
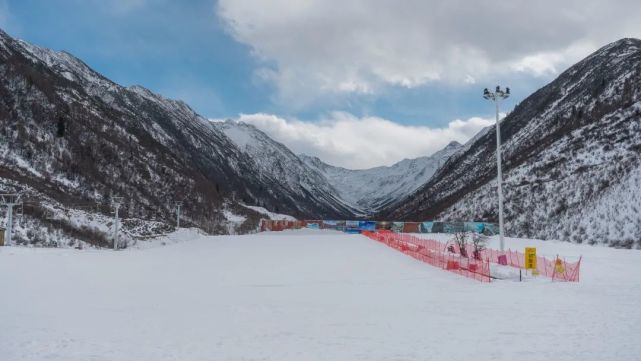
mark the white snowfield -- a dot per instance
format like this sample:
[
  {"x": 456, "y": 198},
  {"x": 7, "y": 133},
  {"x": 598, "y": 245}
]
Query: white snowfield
[{"x": 307, "y": 295}]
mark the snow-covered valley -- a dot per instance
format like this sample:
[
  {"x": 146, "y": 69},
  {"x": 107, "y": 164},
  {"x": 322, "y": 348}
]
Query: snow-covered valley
[
  {"x": 307, "y": 295},
  {"x": 369, "y": 190}
]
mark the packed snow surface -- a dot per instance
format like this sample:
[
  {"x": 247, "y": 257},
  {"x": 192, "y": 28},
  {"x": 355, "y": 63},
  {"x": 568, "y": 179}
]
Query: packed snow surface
[{"x": 307, "y": 295}]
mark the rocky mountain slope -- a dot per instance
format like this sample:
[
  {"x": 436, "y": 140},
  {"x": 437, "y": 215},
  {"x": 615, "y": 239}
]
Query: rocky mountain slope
[
  {"x": 71, "y": 138},
  {"x": 571, "y": 158},
  {"x": 370, "y": 190},
  {"x": 277, "y": 165},
  {"x": 359, "y": 192}
]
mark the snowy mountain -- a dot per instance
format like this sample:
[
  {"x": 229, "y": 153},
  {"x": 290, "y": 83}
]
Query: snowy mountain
[
  {"x": 356, "y": 192},
  {"x": 72, "y": 139},
  {"x": 370, "y": 190},
  {"x": 572, "y": 163},
  {"x": 276, "y": 164}
]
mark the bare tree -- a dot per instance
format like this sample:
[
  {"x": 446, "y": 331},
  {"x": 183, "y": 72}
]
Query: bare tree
[
  {"x": 479, "y": 241},
  {"x": 461, "y": 240}
]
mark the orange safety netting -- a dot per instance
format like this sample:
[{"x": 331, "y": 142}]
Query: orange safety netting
[
  {"x": 448, "y": 257},
  {"x": 434, "y": 253}
]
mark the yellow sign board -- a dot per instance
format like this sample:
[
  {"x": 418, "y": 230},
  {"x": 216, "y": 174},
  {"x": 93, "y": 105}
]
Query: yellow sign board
[{"x": 530, "y": 258}]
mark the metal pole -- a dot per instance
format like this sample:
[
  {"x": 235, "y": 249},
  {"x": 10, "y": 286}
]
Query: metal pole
[
  {"x": 9, "y": 223},
  {"x": 116, "y": 230},
  {"x": 178, "y": 216},
  {"x": 500, "y": 175}
]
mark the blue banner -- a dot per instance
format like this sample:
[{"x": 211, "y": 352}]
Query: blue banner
[
  {"x": 367, "y": 225},
  {"x": 476, "y": 227},
  {"x": 453, "y": 227},
  {"x": 426, "y": 227},
  {"x": 352, "y": 227},
  {"x": 490, "y": 229}
]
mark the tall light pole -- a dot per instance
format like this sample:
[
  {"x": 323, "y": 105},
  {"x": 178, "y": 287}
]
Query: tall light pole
[{"x": 496, "y": 97}]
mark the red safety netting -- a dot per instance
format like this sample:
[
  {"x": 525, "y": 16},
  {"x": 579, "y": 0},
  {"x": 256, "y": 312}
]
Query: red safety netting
[
  {"x": 434, "y": 253},
  {"x": 448, "y": 256}
]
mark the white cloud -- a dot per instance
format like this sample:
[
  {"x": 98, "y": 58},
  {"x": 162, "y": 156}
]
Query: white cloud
[
  {"x": 543, "y": 63},
  {"x": 320, "y": 48},
  {"x": 348, "y": 141}
]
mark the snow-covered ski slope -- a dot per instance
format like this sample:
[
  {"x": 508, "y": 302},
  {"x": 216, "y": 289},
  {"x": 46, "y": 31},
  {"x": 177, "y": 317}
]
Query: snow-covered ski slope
[{"x": 307, "y": 295}]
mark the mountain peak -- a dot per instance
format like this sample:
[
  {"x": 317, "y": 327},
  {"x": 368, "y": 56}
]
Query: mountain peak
[
  {"x": 619, "y": 49},
  {"x": 453, "y": 144},
  {"x": 626, "y": 42}
]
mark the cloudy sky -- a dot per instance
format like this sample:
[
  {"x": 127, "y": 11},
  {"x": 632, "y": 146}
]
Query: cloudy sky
[{"x": 358, "y": 83}]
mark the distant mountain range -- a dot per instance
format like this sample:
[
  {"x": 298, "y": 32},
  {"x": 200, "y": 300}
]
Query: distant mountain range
[
  {"x": 359, "y": 192},
  {"x": 371, "y": 190},
  {"x": 72, "y": 140}
]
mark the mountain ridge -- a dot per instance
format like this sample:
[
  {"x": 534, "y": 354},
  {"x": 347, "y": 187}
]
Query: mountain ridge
[
  {"x": 584, "y": 123},
  {"x": 356, "y": 189},
  {"x": 369, "y": 190},
  {"x": 71, "y": 136}
]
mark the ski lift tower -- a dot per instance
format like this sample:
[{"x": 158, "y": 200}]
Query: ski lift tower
[
  {"x": 178, "y": 205},
  {"x": 116, "y": 202},
  {"x": 9, "y": 200}
]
